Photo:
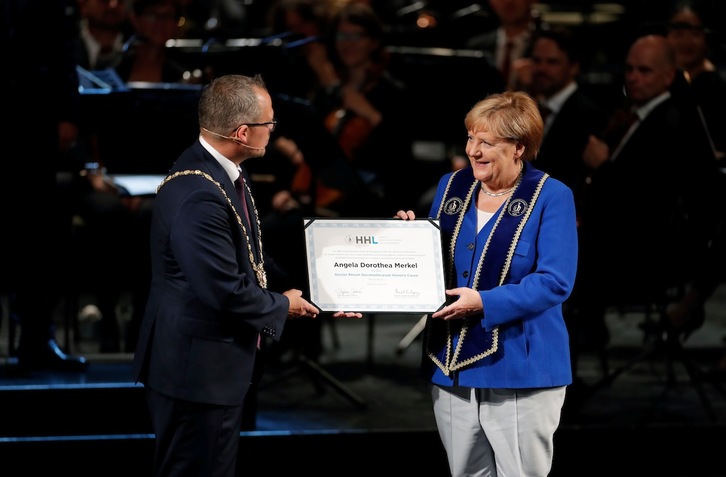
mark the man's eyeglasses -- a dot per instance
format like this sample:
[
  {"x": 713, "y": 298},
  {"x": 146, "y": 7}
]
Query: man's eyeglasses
[{"x": 271, "y": 125}]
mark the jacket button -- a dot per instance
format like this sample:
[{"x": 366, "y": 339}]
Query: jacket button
[
  {"x": 470, "y": 246},
  {"x": 465, "y": 274}
]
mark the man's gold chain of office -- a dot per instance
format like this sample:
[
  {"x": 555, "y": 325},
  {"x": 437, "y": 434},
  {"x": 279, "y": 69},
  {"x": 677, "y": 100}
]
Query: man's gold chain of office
[{"x": 258, "y": 267}]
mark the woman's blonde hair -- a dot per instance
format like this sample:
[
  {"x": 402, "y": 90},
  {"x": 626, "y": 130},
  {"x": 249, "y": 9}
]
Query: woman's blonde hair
[{"x": 510, "y": 115}]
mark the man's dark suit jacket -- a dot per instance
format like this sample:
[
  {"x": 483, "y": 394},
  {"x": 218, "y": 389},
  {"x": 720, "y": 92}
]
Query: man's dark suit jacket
[
  {"x": 487, "y": 43},
  {"x": 561, "y": 152},
  {"x": 199, "y": 335},
  {"x": 648, "y": 210}
]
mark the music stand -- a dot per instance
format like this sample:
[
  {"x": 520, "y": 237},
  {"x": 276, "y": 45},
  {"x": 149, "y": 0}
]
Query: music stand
[
  {"x": 142, "y": 113},
  {"x": 467, "y": 76},
  {"x": 316, "y": 374},
  {"x": 285, "y": 241},
  {"x": 411, "y": 336}
]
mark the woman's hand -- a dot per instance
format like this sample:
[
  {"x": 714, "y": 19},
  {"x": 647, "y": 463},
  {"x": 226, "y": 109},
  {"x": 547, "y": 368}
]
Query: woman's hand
[
  {"x": 347, "y": 314},
  {"x": 468, "y": 303},
  {"x": 405, "y": 215},
  {"x": 354, "y": 100},
  {"x": 284, "y": 201},
  {"x": 289, "y": 149}
]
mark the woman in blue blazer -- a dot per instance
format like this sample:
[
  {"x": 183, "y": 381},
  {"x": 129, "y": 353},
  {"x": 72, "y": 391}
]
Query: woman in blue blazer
[{"x": 497, "y": 353}]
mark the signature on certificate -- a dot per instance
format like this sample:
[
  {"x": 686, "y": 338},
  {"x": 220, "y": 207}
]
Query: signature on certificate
[
  {"x": 347, "y": 292},
  {"x": 406, "y": 292}
]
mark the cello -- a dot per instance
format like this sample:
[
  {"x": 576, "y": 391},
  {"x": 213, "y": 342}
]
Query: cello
[{"x": 351, "y": 131}]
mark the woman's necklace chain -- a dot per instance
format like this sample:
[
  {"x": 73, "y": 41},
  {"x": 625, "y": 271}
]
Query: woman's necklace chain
[{"x": 498, "y": 194}]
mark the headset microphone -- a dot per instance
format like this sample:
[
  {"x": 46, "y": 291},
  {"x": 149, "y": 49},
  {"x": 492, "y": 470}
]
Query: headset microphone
[
  {"x": 234, "y": 139},
  {"x": 248, "y": 147}
]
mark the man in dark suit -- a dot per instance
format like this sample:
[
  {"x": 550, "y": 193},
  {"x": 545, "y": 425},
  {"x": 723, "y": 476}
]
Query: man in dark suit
[
  {"x": 509, "y": 44},
  {"x": 570, "y": 115},
  {"x": 570, "y": 118},
  {"x": 41, "y": 103},
  {"x": 209, "y": 302},
  {"x": 649, "y": 202},
  {"x": 104, "y": 28}
]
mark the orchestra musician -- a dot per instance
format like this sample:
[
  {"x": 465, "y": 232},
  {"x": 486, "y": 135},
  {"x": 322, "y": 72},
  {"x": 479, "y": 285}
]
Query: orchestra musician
[{"x": 362, "y": 103}]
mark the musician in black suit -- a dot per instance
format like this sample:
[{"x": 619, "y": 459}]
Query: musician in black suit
[
  {"x": 570, "y": 117},
  {"x": 103, "y": 30},
  {"x": 690, "y": 31},
  {"x": 209, "y": 302},
  {"x": 509, "y": 45},
  {"x": 649, "y": 203}
]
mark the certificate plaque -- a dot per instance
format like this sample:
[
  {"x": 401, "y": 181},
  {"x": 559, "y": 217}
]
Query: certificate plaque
[{"x": 375, "y": 265}]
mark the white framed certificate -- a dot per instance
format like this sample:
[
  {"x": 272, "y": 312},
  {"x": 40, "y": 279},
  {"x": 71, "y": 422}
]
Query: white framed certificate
[{"x": 375, "y": 265}]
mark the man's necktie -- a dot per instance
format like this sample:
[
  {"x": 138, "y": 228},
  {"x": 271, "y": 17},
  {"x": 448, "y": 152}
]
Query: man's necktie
[
  {"x": 239, "y": 186},
  {"x": 620, "y": 123},
  {"x": 545, "y": 112}
]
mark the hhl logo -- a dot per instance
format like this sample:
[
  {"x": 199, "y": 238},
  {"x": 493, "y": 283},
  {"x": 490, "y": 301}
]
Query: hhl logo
[{"x": 361, "y": 239}]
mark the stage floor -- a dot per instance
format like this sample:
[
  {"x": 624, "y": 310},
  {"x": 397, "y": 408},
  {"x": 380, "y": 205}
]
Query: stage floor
[{"x": 365, "y": 382}]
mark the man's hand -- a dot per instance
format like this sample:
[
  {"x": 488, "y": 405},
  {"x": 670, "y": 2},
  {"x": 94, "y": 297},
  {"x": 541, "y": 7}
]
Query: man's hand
[
  {"x": 299, "y": 306},
  {"x": 596, "y": 153}
]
